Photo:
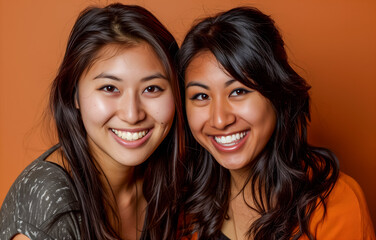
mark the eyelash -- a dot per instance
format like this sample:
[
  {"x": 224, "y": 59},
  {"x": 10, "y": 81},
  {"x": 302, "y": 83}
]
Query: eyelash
[
  {"x": 241, "y": 90},
  {"x": 203, "y": 96},
  {"x": 198, "y": 95},
  {"x": 153, "y": 87},
  {"x": 109, "y": 88}
]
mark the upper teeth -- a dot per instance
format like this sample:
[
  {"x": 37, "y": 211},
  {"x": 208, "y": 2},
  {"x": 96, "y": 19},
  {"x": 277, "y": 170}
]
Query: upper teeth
[
  {"x": 230, "y": 139},
  {"x": 130, "y": 136}
]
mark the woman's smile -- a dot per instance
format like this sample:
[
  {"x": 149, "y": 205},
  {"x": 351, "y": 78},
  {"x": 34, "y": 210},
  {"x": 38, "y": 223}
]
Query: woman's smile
[
  {"x": 130, "y": 135},
  {"x": 230, "y": 142},
  {"x": 132, "y": 139}
]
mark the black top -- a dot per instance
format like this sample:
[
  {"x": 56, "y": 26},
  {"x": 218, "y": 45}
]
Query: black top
[
  {"x": 42, "y": 203},
  {"x": 223, "y": 237}
]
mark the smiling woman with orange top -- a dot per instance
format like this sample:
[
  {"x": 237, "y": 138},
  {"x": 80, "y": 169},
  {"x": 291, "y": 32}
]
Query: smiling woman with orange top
[{"x": 253, "y": 175}]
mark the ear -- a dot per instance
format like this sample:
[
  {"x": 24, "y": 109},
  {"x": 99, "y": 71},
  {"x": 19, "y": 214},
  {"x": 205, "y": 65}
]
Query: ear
[{"x": 76, "y": 103}]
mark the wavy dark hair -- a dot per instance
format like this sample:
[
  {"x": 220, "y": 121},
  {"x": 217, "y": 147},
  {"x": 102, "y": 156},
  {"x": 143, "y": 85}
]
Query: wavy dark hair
[
  {"x": 95, "y": 28},
  {"x": 296, "y": 177}
]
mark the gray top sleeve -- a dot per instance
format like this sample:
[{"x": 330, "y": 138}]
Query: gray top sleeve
[{"x": 41, "y": 204}]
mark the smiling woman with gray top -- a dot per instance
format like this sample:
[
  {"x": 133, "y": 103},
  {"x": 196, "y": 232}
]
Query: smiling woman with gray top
[{"x": 112, "y": 174}]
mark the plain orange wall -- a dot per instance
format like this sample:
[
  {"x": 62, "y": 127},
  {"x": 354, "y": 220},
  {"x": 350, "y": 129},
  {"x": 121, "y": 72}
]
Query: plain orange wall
[{"x": 331, "y": 43}]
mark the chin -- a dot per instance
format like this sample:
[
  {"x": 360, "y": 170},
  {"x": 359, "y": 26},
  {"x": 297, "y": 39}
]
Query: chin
[{"x": 232, "y": 164}]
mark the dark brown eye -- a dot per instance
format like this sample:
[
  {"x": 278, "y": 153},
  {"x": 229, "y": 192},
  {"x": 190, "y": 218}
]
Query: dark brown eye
[
  {"x": 239, "y": 91},
  {"x": 110, "y": 88},
  {"x": 153, "y": 89},
  {"x": 200, "y": 97}
]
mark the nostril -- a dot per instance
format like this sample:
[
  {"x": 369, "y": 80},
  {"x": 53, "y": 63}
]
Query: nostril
[
  {"x": 132, "y": 113},
  {"x": 220, "y": 118}
]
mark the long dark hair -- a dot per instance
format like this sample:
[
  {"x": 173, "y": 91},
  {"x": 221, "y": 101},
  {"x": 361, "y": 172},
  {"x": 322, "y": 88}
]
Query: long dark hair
[
  {"x": 94, "y": 29},
  {"x": 295, "y": 177}
]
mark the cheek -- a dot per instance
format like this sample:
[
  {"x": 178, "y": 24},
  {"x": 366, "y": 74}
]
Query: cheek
[
  {"x": 162, "y": 109},
  {"x": 256, "y": 111},
  {"x": 261, "y": 117},
  {"x": 196, "y": 118},
  {"x": 96, "y": 109},
  {"x": 252, "y": 113}
]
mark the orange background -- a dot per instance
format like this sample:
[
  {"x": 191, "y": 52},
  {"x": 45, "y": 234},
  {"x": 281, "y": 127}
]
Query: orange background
[{"x": 331, "y": 43}]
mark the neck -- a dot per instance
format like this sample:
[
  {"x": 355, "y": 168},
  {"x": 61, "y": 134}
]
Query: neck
[
  {"x": 124, "y": 187},
  {"x": 240, "y": 187},
  {"x": 238, "y": 180},
  {"x": 116, "y": 178},
  {"x": 241, "y": 204},
  {"x": 121, "y": 180}
]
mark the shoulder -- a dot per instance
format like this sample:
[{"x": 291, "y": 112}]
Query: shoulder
[
  {"x": 346, "y": 214},
  {"x": 348, "y": 198},
  {"x": 42, "y": 197},
  {"x": 46, "y": 187}
]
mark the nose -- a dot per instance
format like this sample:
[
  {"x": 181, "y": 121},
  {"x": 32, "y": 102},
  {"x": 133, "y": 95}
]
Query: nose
[
  {"x": 130, "y": 109},
  {"x": 221, "y": 114}
]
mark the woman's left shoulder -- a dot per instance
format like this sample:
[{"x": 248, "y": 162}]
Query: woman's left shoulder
[
  {"x": 347, "y": 215},
  {"x": 347, "y": 193}
]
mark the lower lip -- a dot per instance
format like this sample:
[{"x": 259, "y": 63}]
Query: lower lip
[
  {"x": 231, "y": 148},
  {"x": 132, "y": 144}
]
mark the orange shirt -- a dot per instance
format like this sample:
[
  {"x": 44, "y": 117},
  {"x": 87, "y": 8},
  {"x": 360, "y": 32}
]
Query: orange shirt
[{"x": 347, "y": 215}]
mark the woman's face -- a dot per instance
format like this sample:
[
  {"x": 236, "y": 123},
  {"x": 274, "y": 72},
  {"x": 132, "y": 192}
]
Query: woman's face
[
  {"x": 126, "y": 104},
  {"x": 230, "y": 120}
]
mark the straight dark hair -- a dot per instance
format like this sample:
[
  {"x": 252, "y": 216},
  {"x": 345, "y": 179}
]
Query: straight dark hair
[
  {"x": 123, "y": 25},
  {"x": 295, "y": 176}
]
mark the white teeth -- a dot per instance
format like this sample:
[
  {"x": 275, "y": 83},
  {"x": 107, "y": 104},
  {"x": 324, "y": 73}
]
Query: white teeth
[
  {"x": 230, "y": 139},
  {"x": 130, "y": 136}
]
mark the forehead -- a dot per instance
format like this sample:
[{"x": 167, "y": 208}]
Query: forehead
[
  {"x": 112, "y": 50},
  {"x": 136, "y": 55},
  {"x": 204, "y": 66}
]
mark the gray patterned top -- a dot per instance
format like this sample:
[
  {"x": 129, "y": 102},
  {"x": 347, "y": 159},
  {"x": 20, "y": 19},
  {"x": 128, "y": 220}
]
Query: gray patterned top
[{"x": 41, "y": 204}]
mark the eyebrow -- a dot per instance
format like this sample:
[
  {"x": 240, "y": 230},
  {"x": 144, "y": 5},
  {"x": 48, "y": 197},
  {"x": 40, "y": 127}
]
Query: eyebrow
[
  {"x": 154, "y": 76},
  {"x": 191, "y": 84},
  {"x": 106, "y": 75},
  {"x": 145, "y": 79},
  {"x": 229, "y": 82}
]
